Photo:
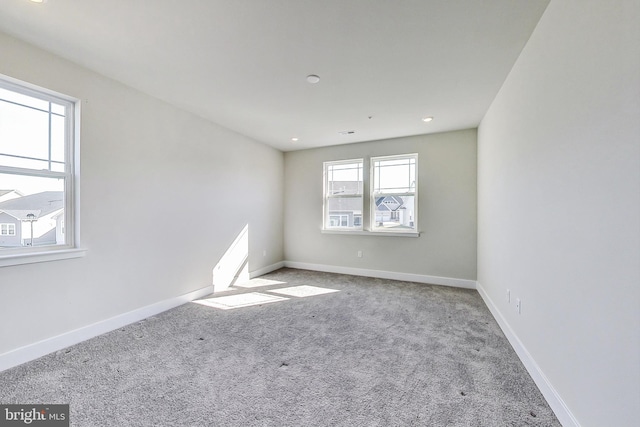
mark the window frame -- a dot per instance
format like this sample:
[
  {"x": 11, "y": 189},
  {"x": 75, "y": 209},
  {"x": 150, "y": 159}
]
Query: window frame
[
  {"x": 366, "y": 222},
  {"x": 71, "y": 247},
  {"x": 326, "y": 197},
  {"x": 8, "y": 226},
  {"x": 340, "y": 216},
  {"x": 373, "y": 195}
]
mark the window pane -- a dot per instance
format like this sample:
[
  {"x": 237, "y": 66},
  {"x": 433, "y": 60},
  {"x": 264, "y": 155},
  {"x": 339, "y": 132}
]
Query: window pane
[
  {"x": 19, "y": 162},
  {"x": 57, "y": 167},
  {"x": 30, "y": 136},
  {"x": 34, "y": 208},
  {"x": 58, "y": 109},
  {"x": 23, "y": 132},
  {"x": 345, "y": 178},
  {"x": 341, "y": 211},
  {"x": 26, "y": 100},
  {"x": 57, "y": 138},
  {"x": 397, "y": 212},
  {"x": 394, "y": 176}
]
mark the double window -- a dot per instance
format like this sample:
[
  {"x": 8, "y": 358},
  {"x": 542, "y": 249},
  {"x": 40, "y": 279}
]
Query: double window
[
  {"x": 7, "y": 229},
  {"x": 37, "y": 169},
  {"x": 392, "y": 195}
]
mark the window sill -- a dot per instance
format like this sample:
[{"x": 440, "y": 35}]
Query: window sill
[
  {"x": 374, "y": 233},
  {"x": 45, "y": 256}
]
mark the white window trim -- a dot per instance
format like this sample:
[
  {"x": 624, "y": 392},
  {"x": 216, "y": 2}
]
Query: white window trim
[
  {"x": 366, "y": 229},
  {"x": 325, "y": 197},
  {"x": 340, "y": 216},
  {"x": 71, "y": 248},
  {"x": 373, "y": 196},
  {"x": 42, "y": 256},
  {"x": 10, "y": 226},
  {"x": 374, "y": 233}
]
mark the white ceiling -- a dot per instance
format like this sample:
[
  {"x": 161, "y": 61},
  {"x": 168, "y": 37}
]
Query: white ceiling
[{"x": 243, "y": 63}]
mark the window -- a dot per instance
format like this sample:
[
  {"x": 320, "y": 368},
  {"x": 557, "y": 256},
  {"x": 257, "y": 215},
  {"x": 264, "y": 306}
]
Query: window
[
  {"x": 394, "y": 192},
  {"x": 392, "y": 199},
  {"x": 37, "y": 169},
  {"x": 339, "y": 220},
  {"x": 7, "y": 229},
  {"x": 343, "y": 201}
]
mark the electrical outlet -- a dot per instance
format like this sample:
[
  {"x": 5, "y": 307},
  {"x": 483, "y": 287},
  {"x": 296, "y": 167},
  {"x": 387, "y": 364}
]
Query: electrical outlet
[
  {"x": 508, "y": 295},
  {"x": 518, "y": 306},
  {"x": 359, "y": 254}
]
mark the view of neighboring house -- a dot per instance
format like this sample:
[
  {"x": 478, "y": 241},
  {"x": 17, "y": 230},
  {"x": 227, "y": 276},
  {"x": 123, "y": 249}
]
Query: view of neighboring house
[
  {"x": 9, "y": 194},
  {"x": 347, "y": 211},
  {"x": 33, "y": 220},
  {"x": 391, "y": 210}
]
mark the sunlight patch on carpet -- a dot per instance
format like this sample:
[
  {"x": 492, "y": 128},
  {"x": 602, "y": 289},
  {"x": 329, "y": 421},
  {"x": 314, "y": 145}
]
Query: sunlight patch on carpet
[
  {"x": 240, "y": 300},
  {"x": 303, "y": 291},
  {"x": 256, "y": 283}
]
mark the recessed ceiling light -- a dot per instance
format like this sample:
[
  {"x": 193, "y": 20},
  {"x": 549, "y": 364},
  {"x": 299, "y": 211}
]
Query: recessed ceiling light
[
  {"x": 38, "y": 1},
  {"x": 347, "y": 132},
  {"x": 427, "y": 119},
  {"x": 294, "y": 139},
  {"x": 313, "y": 79}
]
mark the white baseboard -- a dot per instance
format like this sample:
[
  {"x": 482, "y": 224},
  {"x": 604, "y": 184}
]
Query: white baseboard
[
  {"x": 556, "y": 403},
  {"x": 392, "y": 275},
  {"x": 267, "y": 269},
  {"x": 33, "y": 351}
]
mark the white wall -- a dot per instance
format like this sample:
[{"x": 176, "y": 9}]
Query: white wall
[
  {"x": 447, "y": 209},
  {"x": 163, "y": 195},
  {"x": 559, "y": 205}
]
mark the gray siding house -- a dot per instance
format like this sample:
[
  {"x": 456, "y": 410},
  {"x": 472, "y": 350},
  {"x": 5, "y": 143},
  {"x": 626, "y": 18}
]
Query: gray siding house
[{"x": 41, "y": 214}]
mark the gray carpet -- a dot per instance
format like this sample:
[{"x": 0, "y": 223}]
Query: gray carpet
[{"x": 377, "y": 353}]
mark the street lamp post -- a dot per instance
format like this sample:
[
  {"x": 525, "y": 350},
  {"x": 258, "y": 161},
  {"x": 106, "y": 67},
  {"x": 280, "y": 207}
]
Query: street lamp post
[{"x": 31, "y": 218}]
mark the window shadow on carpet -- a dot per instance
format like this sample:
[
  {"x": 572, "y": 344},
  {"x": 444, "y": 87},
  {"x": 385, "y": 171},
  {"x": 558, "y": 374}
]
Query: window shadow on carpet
[{"x": 241, "y": 298}]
